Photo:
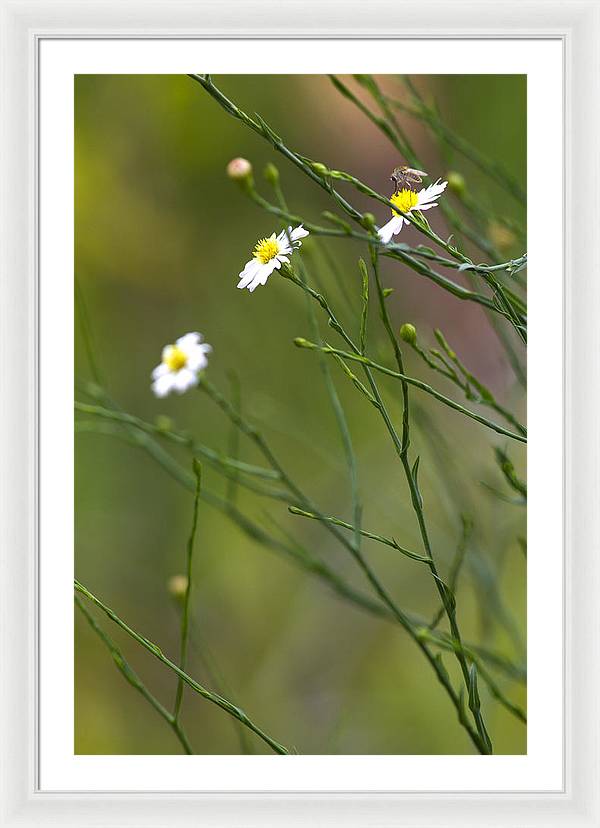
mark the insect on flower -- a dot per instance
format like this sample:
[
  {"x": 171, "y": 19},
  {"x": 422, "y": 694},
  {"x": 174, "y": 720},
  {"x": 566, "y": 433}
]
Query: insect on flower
[
  {"x": 407, "y": 200},
  {"x": 268, "y": 255},
  {"x": 181, "y": 364},
  {"x": 406, "y": 178}
]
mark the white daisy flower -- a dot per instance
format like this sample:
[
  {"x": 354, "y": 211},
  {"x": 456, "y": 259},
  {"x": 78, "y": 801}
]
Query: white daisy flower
[
  {"x": 268, "y": 255},
  {"x": 181, "y": 365},
  {"x": 407, "y": 201}
]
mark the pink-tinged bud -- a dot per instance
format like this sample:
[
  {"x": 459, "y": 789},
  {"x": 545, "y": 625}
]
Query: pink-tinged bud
[{"x": 239, "y": 169}]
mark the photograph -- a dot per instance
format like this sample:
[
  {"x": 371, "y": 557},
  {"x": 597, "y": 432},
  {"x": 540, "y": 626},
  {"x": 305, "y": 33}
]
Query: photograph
[{"x": 300, "y": 502}]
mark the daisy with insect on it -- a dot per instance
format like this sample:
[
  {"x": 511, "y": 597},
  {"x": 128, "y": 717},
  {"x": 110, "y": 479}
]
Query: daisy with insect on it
[
  {"x": 181, "y": 365},
  {"x": 268, "y": 255},
  {"x": 407, "y": 201}
]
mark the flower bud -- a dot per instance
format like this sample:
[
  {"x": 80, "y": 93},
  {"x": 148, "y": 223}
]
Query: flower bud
[
  {"x": 368, "y": 221},
  {"x": 239, "y": 169},
  {"x": 408, "y": 333},
  {"x": 456, "y": 183},
  {"x": 319, "y": 168},
  {"x": 163, "y": 423},
  {"x": 177, "y": 586},
  {"x": 300, "y": 342},
  {"x": 271, "y": 174}
]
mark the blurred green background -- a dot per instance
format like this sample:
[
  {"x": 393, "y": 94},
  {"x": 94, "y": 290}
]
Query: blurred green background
[{"x": 161, "y": 235}]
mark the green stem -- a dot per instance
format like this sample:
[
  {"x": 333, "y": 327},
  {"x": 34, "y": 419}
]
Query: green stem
[
  {"x": 148, "y": 645},
  {"x": 325, "y": 181},
  {"x": 303, "y": 558},
  {"x": 379, "y": 538},
  {"x": 185, "y": 615},
  {"x": 132, "y": 677},
  {"x": 448, "y": 600},
  {"x": 423, "y": 386}
]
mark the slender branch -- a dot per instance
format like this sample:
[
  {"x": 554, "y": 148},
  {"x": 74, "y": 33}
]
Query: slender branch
[
  {"x": 468, "y": 383},
  {"x": 216, "y": 699},
  {"x": 219, "y": 460},
  {"x": 399, "y": 615},
  {"x": 188, "y": 591},
  {"x": 303, "y": 558},
  {"x": 423, "y": 386},
  {"x": 448, "y": 599},
  {"x": 379, "y": 538},
  {"x": 132, "y": 677},
  {"x": 325, "y": 177}
]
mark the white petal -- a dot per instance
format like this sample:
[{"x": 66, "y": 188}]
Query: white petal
[
  {"x": 428, "y": 206},
  {"x": 196, "y": 360},
  {"x": 249, "y": 266},
  {"x": 267, "y": 270},
  {"x": 160, "y": 371},
  {"x": 249, "y": 273},
  {"x": 166, "y": 351},
  {"x": 390, "y": 229},
  {"x": 255, "y": 283},
  {"x": 298, "y": 233},
  {"x": 430, "y": 193},
  {"x": 189, "y": 340},
  {"x": 163, "y": 385},
  {"x": 183, "y": 380},
  {"x": 261, "y": 278}
]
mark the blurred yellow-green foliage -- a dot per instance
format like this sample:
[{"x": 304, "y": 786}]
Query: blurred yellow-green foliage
[{"x": 161, "y": 235}]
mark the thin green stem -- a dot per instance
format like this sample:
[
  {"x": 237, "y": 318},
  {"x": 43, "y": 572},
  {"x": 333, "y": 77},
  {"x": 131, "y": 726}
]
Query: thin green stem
[
  {"x": 378, "y": 587},
  {"x": 301, "y": 556},
  {"x": 459, "y": 558},
  {"x": 185, "y": 614},
  {"x": 423, "y": 386},
  {"x": 219, "y": 460},
  {"x": 86, "y": 332},
  {"x": 472, "y": 388},
  {"x": 214, "y": 698},
  {"x": 379, "y": 538},
  {"x": 233, "y": 447},
  {"x": 325, "y": 180},
  {"x": 486, "y": 165},
  {"x": 446, "y": 595},
  {"x": 132, "y": 677}
]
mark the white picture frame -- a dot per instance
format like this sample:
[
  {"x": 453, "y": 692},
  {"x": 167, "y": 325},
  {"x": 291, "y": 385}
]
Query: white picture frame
[{"x": 577, "y": 25}]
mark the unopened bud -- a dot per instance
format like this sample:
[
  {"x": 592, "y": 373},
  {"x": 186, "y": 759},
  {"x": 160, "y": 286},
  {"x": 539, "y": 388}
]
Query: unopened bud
[
  {"x": 456, "y": 183},
  {"x": 177, "y": 586},
  {"x": 368, "y": 221},
  {"x": 300, "y": 342},
  {"x": 408, "y": 333},
  {"x": 271, "y": 174},
  {"x": 319, "y": 168},
  {"x": 239, "y": 169},
  {"x": 163, "y": 423}
]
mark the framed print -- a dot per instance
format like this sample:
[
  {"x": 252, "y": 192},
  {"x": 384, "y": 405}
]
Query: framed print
[{"x": 298, "y": 416}]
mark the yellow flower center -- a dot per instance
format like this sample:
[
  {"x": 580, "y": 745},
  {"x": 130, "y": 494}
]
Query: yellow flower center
[
  {"x": 174, "y": 358},
  {"x": 405, "y": 200},
  {"x": 265, "y": 250}
]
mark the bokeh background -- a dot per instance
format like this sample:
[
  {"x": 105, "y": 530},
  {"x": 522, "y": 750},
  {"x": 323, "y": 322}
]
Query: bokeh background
[{"x": 161, "y": 235}]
